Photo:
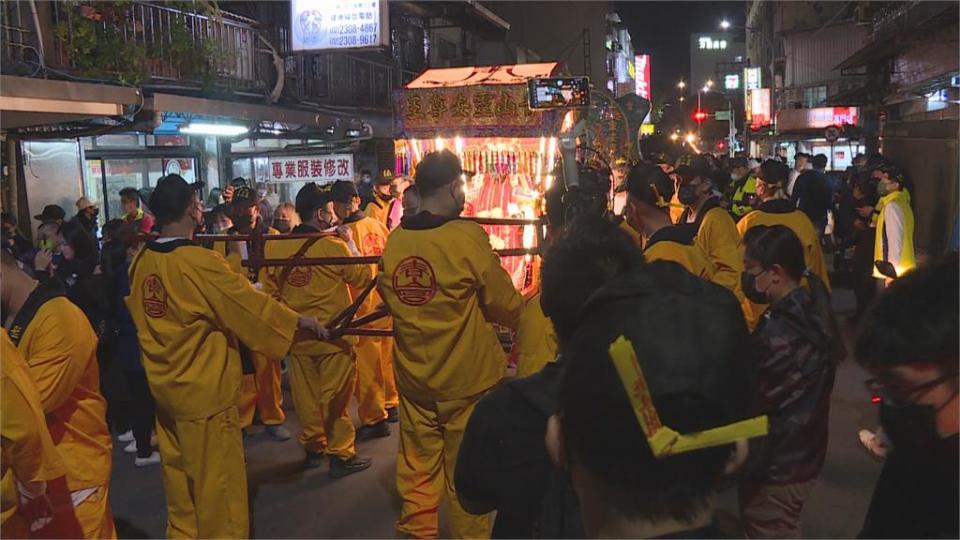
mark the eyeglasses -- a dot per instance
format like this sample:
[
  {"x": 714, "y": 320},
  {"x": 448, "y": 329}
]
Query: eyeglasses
[{"x": 900, "y": 394}]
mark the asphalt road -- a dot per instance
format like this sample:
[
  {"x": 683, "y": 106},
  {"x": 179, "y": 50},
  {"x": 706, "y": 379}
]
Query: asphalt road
[{"x": 288, "y": 502}]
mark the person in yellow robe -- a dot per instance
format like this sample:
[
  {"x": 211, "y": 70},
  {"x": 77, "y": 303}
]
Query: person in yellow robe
[
  {"x": 647, "y": 220},
  {"x": 323, "y": 375},
  {"x": 377, "y": 397},
  {"x": 260, "y": 389},
  {"x": 444, "y": 286},
  {"x": 28, "y": 457},
  {"x": 776, "y": 209},
  {"x": 715, "y": 231},
  {"x": 189, "y": 307},
  {"x": 536, "y": 340},
  {"x": 386, "y": 191},
  {"x": 60, "y": 348}
]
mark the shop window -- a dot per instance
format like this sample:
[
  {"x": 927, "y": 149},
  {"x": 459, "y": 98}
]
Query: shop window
[
  {"x": 813, "y": 96},
  {"x": 125, "y": 140}
]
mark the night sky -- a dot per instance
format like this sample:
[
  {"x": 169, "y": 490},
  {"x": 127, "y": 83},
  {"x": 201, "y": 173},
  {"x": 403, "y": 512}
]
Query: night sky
[{"x": 662, "y": 29}]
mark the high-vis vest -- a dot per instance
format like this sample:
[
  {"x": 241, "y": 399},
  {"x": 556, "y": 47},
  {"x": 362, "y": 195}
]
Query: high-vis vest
[
  {"x": 189, "y": 307},
  {"x": 907, "y": 258},
  {"x": 739, "y": 202},
  {"x": 444, "y": 285},
  {"x": 318, "y": 291}
]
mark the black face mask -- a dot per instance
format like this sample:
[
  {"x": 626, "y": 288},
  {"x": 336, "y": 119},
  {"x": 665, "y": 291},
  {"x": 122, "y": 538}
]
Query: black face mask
[
  {"x": 243, "y": 222},
  {"x": 687, "y": 195},
  {"x": 909, "y": 427},
  {"x": 748, "y": 282}
]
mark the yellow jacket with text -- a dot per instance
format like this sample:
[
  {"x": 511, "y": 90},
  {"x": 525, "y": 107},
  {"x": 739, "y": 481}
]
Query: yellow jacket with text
[
  {"x": 27, "y": 453},
  {"x": 783, "y": 212},
  {"x": 717, "y": 236},
  {"x": 536, "y": 340},
  {"x": 444, "y": 286},
  {"x": 314, "y": 291},
  {"x": 60, "y": 350},
  {"x": 189, "y": 308},
  {"x": 370, "y": 236}
]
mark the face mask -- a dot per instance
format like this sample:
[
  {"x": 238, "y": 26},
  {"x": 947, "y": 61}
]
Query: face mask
[
  {"x": 882, "y": 189},
  {"x": 748, "y": 282},
  {"x": 909, "y": 427},
  {"x": 687, "y": 195}
]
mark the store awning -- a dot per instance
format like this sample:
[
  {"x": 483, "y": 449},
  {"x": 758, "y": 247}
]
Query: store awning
[
  {"x": 247, "y": 112},
  {"x": 29, "y": 102},
  {"x": 477, "y": 75}
]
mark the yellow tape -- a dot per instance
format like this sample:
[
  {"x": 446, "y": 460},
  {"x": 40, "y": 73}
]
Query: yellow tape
[{"x": 663, "y": 440}]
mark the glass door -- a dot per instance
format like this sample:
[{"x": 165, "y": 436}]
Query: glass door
[{"x": 110, "y": 175}]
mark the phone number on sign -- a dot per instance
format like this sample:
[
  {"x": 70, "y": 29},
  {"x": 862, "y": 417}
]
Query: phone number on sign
[{"x": 353, "y": 41}]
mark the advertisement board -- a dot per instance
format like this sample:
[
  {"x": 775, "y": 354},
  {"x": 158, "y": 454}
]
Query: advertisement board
[
  {"x": 751, "y": 77},
  {"x": 758, "y": 107},
  {"x": 817, "y": 118},
  {"x": 318, "y": 168},
  {"x": 642, "y": 67},
  {"x": 320, "y": 25}
]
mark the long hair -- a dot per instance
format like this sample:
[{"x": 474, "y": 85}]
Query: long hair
[
  {"x": 80, "y": 241},
  {"x": 779, "y": 245}
]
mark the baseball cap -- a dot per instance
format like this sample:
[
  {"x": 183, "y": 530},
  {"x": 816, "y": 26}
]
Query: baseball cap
[
  {"x": 51, "y": 212},
  {"x": 752, "y": 164},
  {"x": 690, "y": 166},
  {"x": 384, "y": 178},
  {"x": 649, "y": 184},
  {"x": 243, "y": 195},
  {"x": 311, "y": 196},
  {"x": 343, "y": 191},
  {"x": 687, "y": 394},
  {"x": 438, "y": 169},
  {"x": 83, "y": 203},
  {"x": 774, "y": 172},
  {"x": 171, "y": 195}
]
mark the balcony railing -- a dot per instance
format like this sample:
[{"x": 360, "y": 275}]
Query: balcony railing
[{"x": 173, "y": 45}]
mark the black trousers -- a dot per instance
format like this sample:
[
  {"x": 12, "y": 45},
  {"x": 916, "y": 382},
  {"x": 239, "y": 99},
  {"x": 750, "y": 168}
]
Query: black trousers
[{"x": 142, "y": 411}]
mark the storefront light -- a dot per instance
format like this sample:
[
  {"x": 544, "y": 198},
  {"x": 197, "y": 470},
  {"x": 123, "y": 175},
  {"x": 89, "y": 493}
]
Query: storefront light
[{"x": 198, "y": 128}]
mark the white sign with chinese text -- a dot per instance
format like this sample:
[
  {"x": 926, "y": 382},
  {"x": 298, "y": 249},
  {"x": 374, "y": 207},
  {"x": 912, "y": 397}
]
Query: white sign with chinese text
[
  {"x": 320, "y": 169},
  {"x": 752, "y": 76},
  {"x": 338, "y": 24}
]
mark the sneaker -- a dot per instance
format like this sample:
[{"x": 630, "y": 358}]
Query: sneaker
[
  {"x": 126, "y": 436},
  {"x": 278, "y": 432},
  {"x": 393, "y": 415},
  {"x": 314, "y": 460},
  {"x": 131, "y": 448},
  {"x": 340, "y": 468},
  {"x": 373, "y": 431},
  {"x": 873, "y": 444},
  {"x": 153, "y": 459}
]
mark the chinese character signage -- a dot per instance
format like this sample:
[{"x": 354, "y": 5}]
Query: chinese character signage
[
  {"x": 709, "y": 43},
  {"x": 470, "y": 111},
  {"x": 752, "y": 77},
  {"x": 642, "y": 63},
  {"x": 320, "y": 169},
  {"x": 731, "y": 82},
  {"x": 817, "y": 118},
  {"x": 338, "y": 24},
  {"x": 758, "y": 107}
]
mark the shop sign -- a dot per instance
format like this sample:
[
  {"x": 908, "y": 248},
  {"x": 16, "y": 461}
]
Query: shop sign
[
  {"x": 647, "y": 129},
  {"x": 320, "y": 169},
  {"x": 642, "y": 63},
  {"x": 758, "y": 107},
  {"x": 708, "y": 43},
  {"x": 817, "y": 118},
  {"x": 731, "y": 82},
  {"x": 751, "y": 76},
  {"x": 319, "y": 25},
  {"x": 466, "y": 107}
]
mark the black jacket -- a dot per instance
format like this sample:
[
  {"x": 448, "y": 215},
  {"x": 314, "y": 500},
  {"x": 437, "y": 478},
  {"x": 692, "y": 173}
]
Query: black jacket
[{"x": 503, "y": 461}]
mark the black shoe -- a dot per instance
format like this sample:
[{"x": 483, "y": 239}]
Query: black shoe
[
  {"x": 314, "y": 460},
  {"x": 340, "y": 468},
  {"x": 374, "y": 431},
  {"x": 393, "y": 415}
]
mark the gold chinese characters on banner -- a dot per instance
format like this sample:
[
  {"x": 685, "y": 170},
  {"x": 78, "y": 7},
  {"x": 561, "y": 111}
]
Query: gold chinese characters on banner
[{"x": 464, "y": 107}]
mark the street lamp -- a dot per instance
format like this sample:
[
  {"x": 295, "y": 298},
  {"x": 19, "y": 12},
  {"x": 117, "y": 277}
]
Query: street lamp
[
  {"x": 674, "y": 136},
  {"x": 681, "y": 85},
  {"x": 725, "y": 24}
]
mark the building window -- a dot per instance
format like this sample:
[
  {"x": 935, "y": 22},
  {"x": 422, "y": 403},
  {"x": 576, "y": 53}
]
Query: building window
[{"x": 814, "y": 96}]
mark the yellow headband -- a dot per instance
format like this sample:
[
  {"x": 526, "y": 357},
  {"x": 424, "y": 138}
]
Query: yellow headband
[{"x": 663, "y": 440}]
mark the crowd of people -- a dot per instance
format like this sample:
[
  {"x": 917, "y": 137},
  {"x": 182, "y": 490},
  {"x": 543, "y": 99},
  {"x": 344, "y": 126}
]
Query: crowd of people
[{"x": 681, "y": 345}]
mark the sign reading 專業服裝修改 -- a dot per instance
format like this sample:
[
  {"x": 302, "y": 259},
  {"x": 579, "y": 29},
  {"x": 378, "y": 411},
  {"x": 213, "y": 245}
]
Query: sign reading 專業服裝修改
[
  {"x": 338, "y": 24},
  {"x": 320, "y": 169},
  {"x": 460, "y": 108}
]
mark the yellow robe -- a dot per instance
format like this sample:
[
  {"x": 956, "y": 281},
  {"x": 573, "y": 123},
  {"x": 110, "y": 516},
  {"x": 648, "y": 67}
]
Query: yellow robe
[
  {"x": 717, "y": 236},
  {"x": 27, "y": 453},
  {"x": 444, "y": 286},
  {"x": 536, "y": 340},
  {"x": 189, "y": 307}
]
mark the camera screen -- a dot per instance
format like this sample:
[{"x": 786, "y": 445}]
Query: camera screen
[{"x": 559, "y": 92}]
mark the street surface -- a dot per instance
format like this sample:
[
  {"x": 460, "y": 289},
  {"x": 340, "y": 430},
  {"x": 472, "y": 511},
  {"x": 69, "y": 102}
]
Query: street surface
[{"x": 288, "y": 502}]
